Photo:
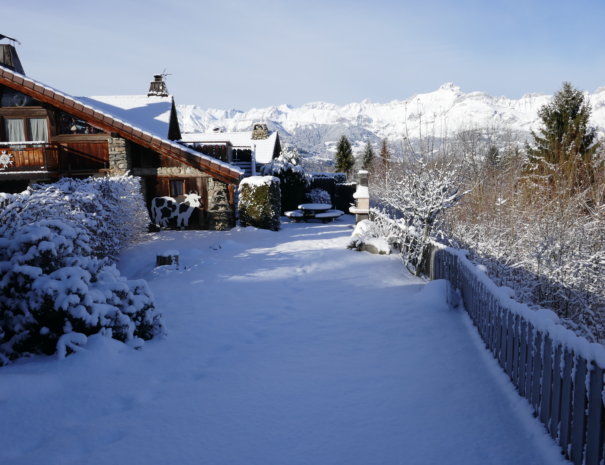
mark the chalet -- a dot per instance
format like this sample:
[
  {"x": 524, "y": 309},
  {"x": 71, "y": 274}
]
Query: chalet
[
  {"x": 46, "y": 134},
  {"x": 248, "y": 150}
]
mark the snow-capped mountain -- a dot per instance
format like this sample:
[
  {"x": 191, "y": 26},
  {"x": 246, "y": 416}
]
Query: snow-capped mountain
[{"x": 316, "y": 127}]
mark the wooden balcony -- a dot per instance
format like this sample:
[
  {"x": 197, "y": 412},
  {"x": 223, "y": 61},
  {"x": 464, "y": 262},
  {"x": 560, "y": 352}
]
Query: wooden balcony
[
  {"x": 57, "y": 158},
  {"x": 16, "y": 158}
]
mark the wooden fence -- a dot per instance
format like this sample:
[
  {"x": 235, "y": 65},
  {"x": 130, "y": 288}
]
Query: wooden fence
[{"x": 560, "y": 374}]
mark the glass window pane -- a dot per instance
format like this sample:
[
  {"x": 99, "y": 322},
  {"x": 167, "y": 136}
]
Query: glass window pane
[
  {"x": 15, "y": 130},
  {"x": 38, "y": 129},
  {"x": 176, "y": 187}
]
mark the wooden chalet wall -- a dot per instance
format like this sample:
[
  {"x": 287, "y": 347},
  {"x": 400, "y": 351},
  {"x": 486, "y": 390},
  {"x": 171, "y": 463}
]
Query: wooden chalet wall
[{"x": 60, "y": 155}]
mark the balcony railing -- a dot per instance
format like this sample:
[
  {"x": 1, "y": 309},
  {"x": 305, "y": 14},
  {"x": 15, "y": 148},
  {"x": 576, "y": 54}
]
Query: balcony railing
[
  {"x": 28, "y": 156},
  {"x": 65, "y": 158}
]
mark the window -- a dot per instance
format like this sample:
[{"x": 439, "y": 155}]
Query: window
[
  {"x": 26, "y": 129},
  {"x": 38, "y": 129},
  {"x": 177, "y": 187},
  {"x": 242, "y": 155},
  {"x": 69, "y": 124},
  {"x": 14, "y": 130}
]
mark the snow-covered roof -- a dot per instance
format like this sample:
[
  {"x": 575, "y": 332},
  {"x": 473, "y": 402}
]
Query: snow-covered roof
[
  {"x": 91, "y": 110},
  {"x": 151, "y": 114},
  {"x": 264, "y": 148}
]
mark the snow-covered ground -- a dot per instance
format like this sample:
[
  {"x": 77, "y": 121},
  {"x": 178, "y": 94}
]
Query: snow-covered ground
[{"x": 282, "y": 348}]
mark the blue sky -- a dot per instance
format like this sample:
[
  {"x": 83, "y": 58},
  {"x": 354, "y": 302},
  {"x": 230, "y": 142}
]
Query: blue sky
[{"x": 244, "y": 54}]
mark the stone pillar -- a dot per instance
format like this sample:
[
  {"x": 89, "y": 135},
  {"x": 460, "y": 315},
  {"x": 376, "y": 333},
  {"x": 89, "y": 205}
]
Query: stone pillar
[
  {"x": 220, "y": 212},
  {"x": 119, "y": 155},
  {"x": 361, "y": 210}
]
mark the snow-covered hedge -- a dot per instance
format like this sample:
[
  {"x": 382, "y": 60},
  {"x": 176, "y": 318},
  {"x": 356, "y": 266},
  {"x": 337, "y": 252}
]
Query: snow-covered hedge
[
  {"x": 259, "y": 202},
  {"x": 343, "y": 195},
  {"x": 340, "y": 191},
  {"x": 293, "y": 181},
  {"x": 337, "y": 177},
  {"x": 57, "y": 281}
]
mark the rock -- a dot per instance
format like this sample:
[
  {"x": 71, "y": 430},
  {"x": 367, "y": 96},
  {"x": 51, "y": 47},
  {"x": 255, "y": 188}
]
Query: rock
[{"x": 376, "y": 246}]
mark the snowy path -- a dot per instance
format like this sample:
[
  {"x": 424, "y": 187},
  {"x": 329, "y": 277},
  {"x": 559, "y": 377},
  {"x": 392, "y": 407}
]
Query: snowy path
[{"x": 283, "y": 348}]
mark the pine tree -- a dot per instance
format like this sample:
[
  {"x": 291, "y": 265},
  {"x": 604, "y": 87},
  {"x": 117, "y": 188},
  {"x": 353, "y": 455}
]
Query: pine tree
[
  {"x": 344, "y": 161},
  {"x": 385, "y": 154},
  {"x": 367, "y": 161},
  {"x": 563, "y": 153},
  {"x": 492, "y": 157}
]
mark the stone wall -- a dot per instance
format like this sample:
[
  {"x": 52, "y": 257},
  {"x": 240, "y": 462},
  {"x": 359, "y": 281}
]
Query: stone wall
[
  {"x": 119, "y": 155},
  {"x": 221, "y": 215},
  {"x": 183, "y": 171}
]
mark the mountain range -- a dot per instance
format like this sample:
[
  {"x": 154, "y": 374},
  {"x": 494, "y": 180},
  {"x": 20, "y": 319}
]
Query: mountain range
[{"x": 314, "y": 128}]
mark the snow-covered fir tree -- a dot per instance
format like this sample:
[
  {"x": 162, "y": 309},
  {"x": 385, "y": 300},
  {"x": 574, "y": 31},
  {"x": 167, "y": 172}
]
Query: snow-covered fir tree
[{"x": 344, "y": 161}]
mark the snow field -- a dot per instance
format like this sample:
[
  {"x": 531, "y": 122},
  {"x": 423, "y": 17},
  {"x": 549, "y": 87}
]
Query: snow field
[{"x": 282, "y": 348}]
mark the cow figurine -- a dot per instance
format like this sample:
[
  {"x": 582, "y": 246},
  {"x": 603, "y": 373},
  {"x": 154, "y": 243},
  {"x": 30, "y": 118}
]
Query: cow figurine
[
  {"x": 186, "y": 207},
  {"x": 163, "y": 209}
]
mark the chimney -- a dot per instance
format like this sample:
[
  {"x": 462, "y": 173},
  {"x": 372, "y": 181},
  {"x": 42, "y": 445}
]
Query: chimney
[
  {"x": 157, "y": 87},
  {"x": 260, "y": 131},
  {"x": 9, "y": 58}
]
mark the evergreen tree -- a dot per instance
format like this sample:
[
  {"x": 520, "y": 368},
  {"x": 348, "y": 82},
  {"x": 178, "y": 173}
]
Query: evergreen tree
[
  {"x": 563, "y": 153},
  {"x": 368, "y": 157},
  {"x": 344, "y": 156},
  {"x": 385, "y": 154},
  {"x": 492, "y": 157}
]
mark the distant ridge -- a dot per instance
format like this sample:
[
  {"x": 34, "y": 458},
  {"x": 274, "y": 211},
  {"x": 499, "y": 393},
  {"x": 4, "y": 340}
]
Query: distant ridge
[{"x": 315, "y": 127}]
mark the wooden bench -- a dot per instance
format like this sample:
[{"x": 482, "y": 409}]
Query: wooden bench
[
  {"x": 329, "y": 215},
  {"x": 296, "y": 215},
  {"x": 325, "y": 216}
]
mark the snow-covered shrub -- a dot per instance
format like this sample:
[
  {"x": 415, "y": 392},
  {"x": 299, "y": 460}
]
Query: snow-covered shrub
[
  {"x": 324, "y": 182},
  {"x": 419, "y": 192},
  {"x": 111, "y": 209},
  {"x": 57, "y": 281},
  {"x": 293, "y": 182},
  {"x": 5, "y": 199},
  {"x": 552, "y": 253},
  {"x": 291, "y": 155},
  {"x": 319, "y": 196},
  {"x": 259, "y": 202},
  {"x": 369, "y": 236}
]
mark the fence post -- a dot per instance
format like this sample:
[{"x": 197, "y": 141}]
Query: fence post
[
  {"x": 578, "y": 424},
  {"x": 546, "y": 381},
  {"x": 555, "y": 403},
  {"x": 594, "y": 433},
  {"x": 523, "y": 358},
  {"x": 566, "y": 399},
  {"x": 509, "y": 345},
  {"x": 537, "y": 373}
]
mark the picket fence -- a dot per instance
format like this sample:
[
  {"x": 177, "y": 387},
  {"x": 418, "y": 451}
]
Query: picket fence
[{"x": 560, "y": 376}]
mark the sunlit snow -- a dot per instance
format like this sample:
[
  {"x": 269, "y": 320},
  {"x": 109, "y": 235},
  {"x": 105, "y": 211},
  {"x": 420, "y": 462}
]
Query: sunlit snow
[{"x": 282, "y": 348}]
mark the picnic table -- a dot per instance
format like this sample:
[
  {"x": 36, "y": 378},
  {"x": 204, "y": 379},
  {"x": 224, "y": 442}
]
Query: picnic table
[{"x": 309, "y": 211}]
